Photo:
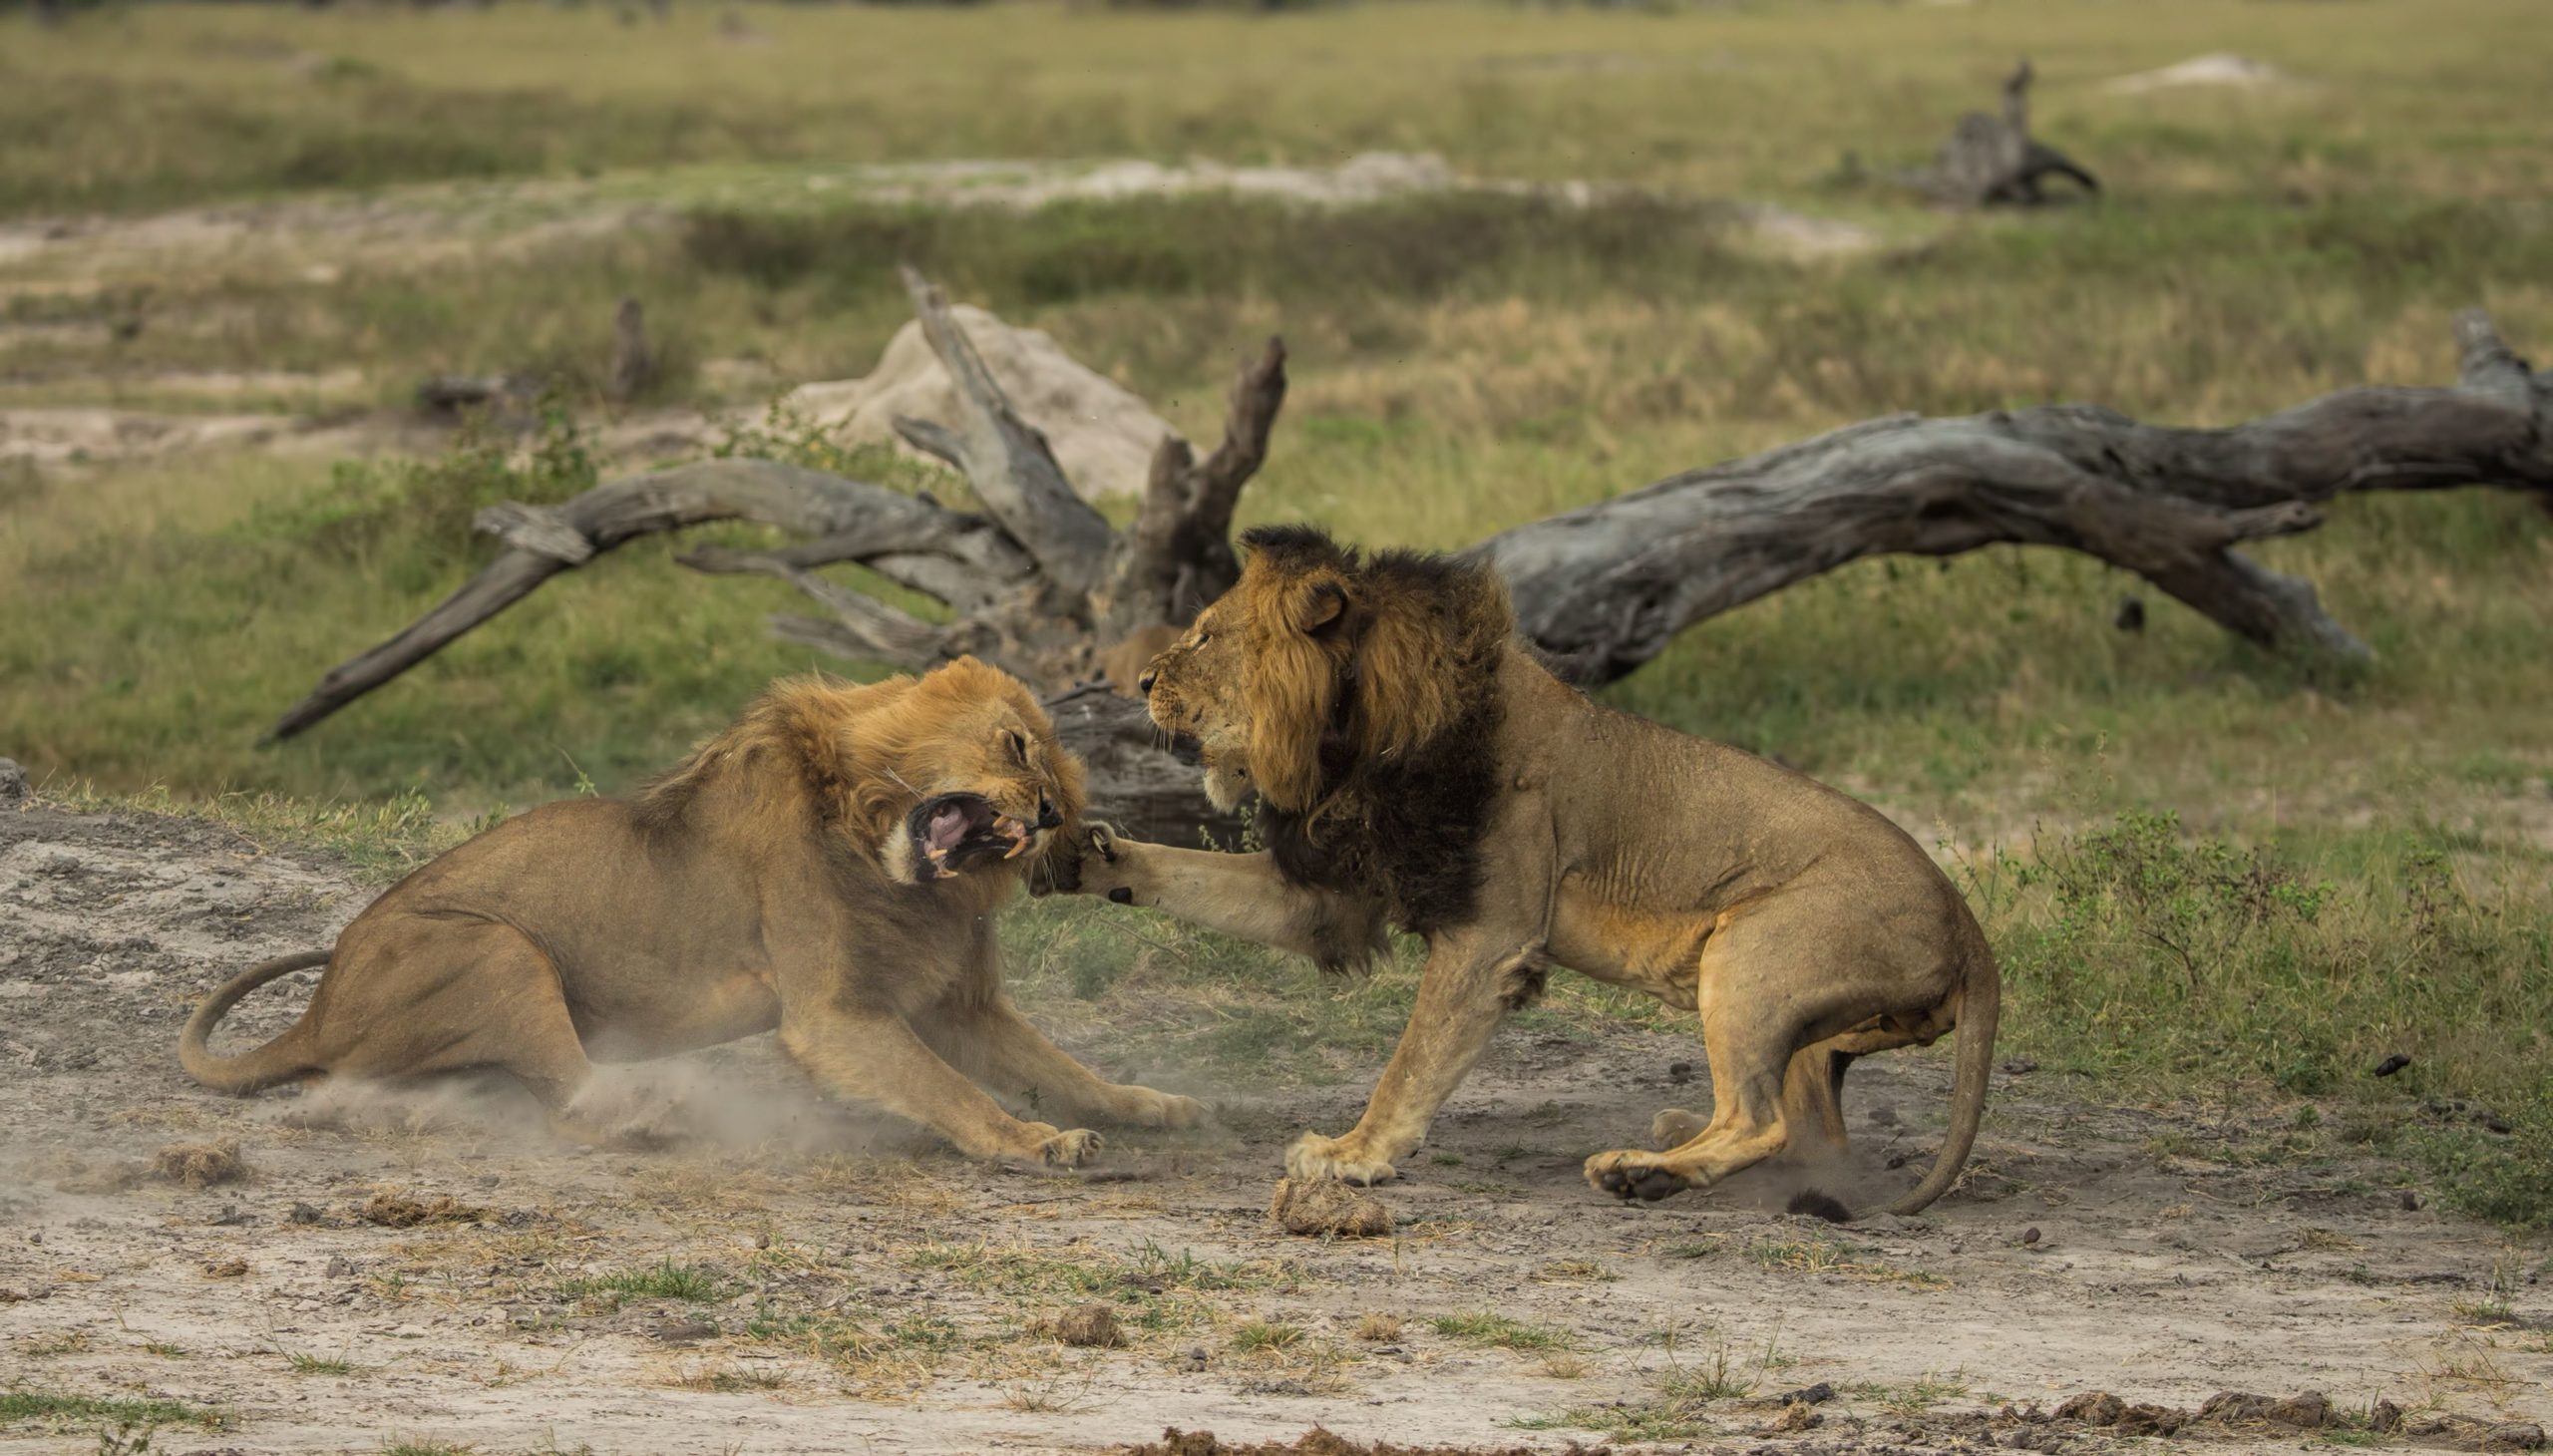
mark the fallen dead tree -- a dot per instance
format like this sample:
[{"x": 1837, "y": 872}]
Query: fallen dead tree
[
  {"x": 1991, "y": 161},
  {"x": 1604, "y": 587},
  {"x": 1040, "y": 583}
]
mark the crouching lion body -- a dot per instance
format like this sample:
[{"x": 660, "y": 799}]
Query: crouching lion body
[
  {"x": 1416, "y": 766},
  {"x": 829, "y": 867}
]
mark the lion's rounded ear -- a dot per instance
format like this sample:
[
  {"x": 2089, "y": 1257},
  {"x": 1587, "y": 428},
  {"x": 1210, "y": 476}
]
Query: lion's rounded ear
[{"x": 1319, "y": 606}]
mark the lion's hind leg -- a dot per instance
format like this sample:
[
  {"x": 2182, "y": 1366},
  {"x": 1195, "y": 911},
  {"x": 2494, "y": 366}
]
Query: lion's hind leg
[
  {"x": 1746, "y": 1125},
  {"x": 1812, "y": 1102},
  {"x": 1764, "y": 987},
  {"x": 471, "y": 997}
]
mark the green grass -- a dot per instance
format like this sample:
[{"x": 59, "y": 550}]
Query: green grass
[
  {"x": 125, "y": 108},
  {"x": 1502, "y": 1332},
  {"x": 690, "y": 1282},
  {"x": 1258, "y": 1334},
  {"x": 2139, "y": 954},
  {"x": 51, "y": 1406},
  {"x": 308, "y": 1365}
]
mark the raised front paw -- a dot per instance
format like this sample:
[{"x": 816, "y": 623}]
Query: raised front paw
[
  {"x": 1346, "y": 1159},
  {"x": 1634, "y": 1175},
  {"x": 1676, "y": 1127},
  {"x": 1096, "y": 860},
  {"x": 1070, "y": 1149}
]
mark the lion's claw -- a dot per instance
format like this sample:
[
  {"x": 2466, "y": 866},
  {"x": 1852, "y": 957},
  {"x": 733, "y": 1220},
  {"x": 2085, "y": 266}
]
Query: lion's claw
[{"x": 1070, "y": 1149}]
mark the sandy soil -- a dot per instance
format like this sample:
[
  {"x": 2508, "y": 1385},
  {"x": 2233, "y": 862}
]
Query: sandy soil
[{"x": 866, "y": 1293}]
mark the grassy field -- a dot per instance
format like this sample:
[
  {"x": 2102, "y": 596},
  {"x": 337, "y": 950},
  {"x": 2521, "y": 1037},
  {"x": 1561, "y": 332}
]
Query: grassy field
[
  {"x": 1461, "y": 363},
  {"x": 140, "y": 107}
]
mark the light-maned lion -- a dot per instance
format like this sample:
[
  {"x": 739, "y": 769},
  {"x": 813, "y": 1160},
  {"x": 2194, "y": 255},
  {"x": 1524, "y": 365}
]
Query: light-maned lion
[
  {"x": 827, "y": 866},
  {"x": 1415, "y": 765}
]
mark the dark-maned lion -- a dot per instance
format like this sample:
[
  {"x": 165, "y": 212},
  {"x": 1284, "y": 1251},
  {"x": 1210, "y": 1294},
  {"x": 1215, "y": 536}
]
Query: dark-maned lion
[
  {"x": 1415, "y": 765},
  {"x": 829, "y": 866}
]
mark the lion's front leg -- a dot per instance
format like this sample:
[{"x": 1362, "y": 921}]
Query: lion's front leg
[
  {"x": 880, "y": 1059},
  {"x": 993, "y": 1043},
  {"x": 1467, "y": 987},
  {"x": 1245, "y": 895}
]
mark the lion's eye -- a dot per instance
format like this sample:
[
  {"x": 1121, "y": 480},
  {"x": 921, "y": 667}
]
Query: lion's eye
[{"x": 1018, "y": 746}]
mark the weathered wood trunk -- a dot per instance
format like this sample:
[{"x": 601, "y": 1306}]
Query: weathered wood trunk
[{"x": 1990, "y": 161}]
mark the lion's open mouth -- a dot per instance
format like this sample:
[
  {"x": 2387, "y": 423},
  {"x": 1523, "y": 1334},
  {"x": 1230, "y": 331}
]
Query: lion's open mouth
[{"x": 956, "y": 830}]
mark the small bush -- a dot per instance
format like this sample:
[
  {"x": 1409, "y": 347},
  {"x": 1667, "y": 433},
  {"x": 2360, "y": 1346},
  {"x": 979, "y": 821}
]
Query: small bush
[{"x": 2137, "y": 951}]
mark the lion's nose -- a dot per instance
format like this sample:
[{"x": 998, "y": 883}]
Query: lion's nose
[
  {"x": 1048, "y": 817},
  {"x": 1143, "y": 684}
]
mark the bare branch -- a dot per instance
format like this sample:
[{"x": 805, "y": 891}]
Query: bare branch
[
  {"x": 535, "y": 528},
  {"x": 931, "y": 439},
  {"x": 1006, "y": 458},
  {"x": 846, "y": 641},
  {"x": 1257, "y": 393},
  {"x": 1604, "y": 587},
  {"x": 955, "y": 557},
  {"x": 1180, "y": 544},
  {"x": 885, "y": 635}
]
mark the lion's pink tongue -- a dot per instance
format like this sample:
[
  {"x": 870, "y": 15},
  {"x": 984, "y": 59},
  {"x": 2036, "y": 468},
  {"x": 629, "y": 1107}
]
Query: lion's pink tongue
[{"x": 948, "y": 827}]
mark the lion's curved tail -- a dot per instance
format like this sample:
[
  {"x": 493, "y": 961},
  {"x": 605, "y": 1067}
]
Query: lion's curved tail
[
  {"x": 278, "y": 1061},
  {"x": 1981, "y": 1000}
]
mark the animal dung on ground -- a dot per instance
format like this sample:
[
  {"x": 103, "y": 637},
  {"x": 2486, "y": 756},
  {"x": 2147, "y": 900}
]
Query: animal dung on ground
[
  {"x": 1092, "y": 1326},
  {"x": 1796, "y": 1416},
  {"x": 2391, "y": 1065},
  {"x": 1315, "y": 1442},
  {"x": 1320, "y": 1205},
  {"x": 398, "y": 1211},
  {"x": 2093, "y": 1408},
  {"x": 198, "y": 1165},
  {"x": 2306, "y": 1409}
]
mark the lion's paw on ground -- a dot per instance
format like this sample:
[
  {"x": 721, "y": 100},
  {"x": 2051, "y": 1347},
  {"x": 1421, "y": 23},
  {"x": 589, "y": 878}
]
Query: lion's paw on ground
[
  {"x": 1070, "y": 1149},
  {"x": 1634, "y": 1175},
  {"x": 1345, "y": 1159}
]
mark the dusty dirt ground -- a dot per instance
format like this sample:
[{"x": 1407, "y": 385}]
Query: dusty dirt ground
[{"x": 838, "y": 1287}]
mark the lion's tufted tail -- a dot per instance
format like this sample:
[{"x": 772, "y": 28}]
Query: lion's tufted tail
[
  {"x": 278, "y": 1061},
  {"x": 1981, "y": 1000}
]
